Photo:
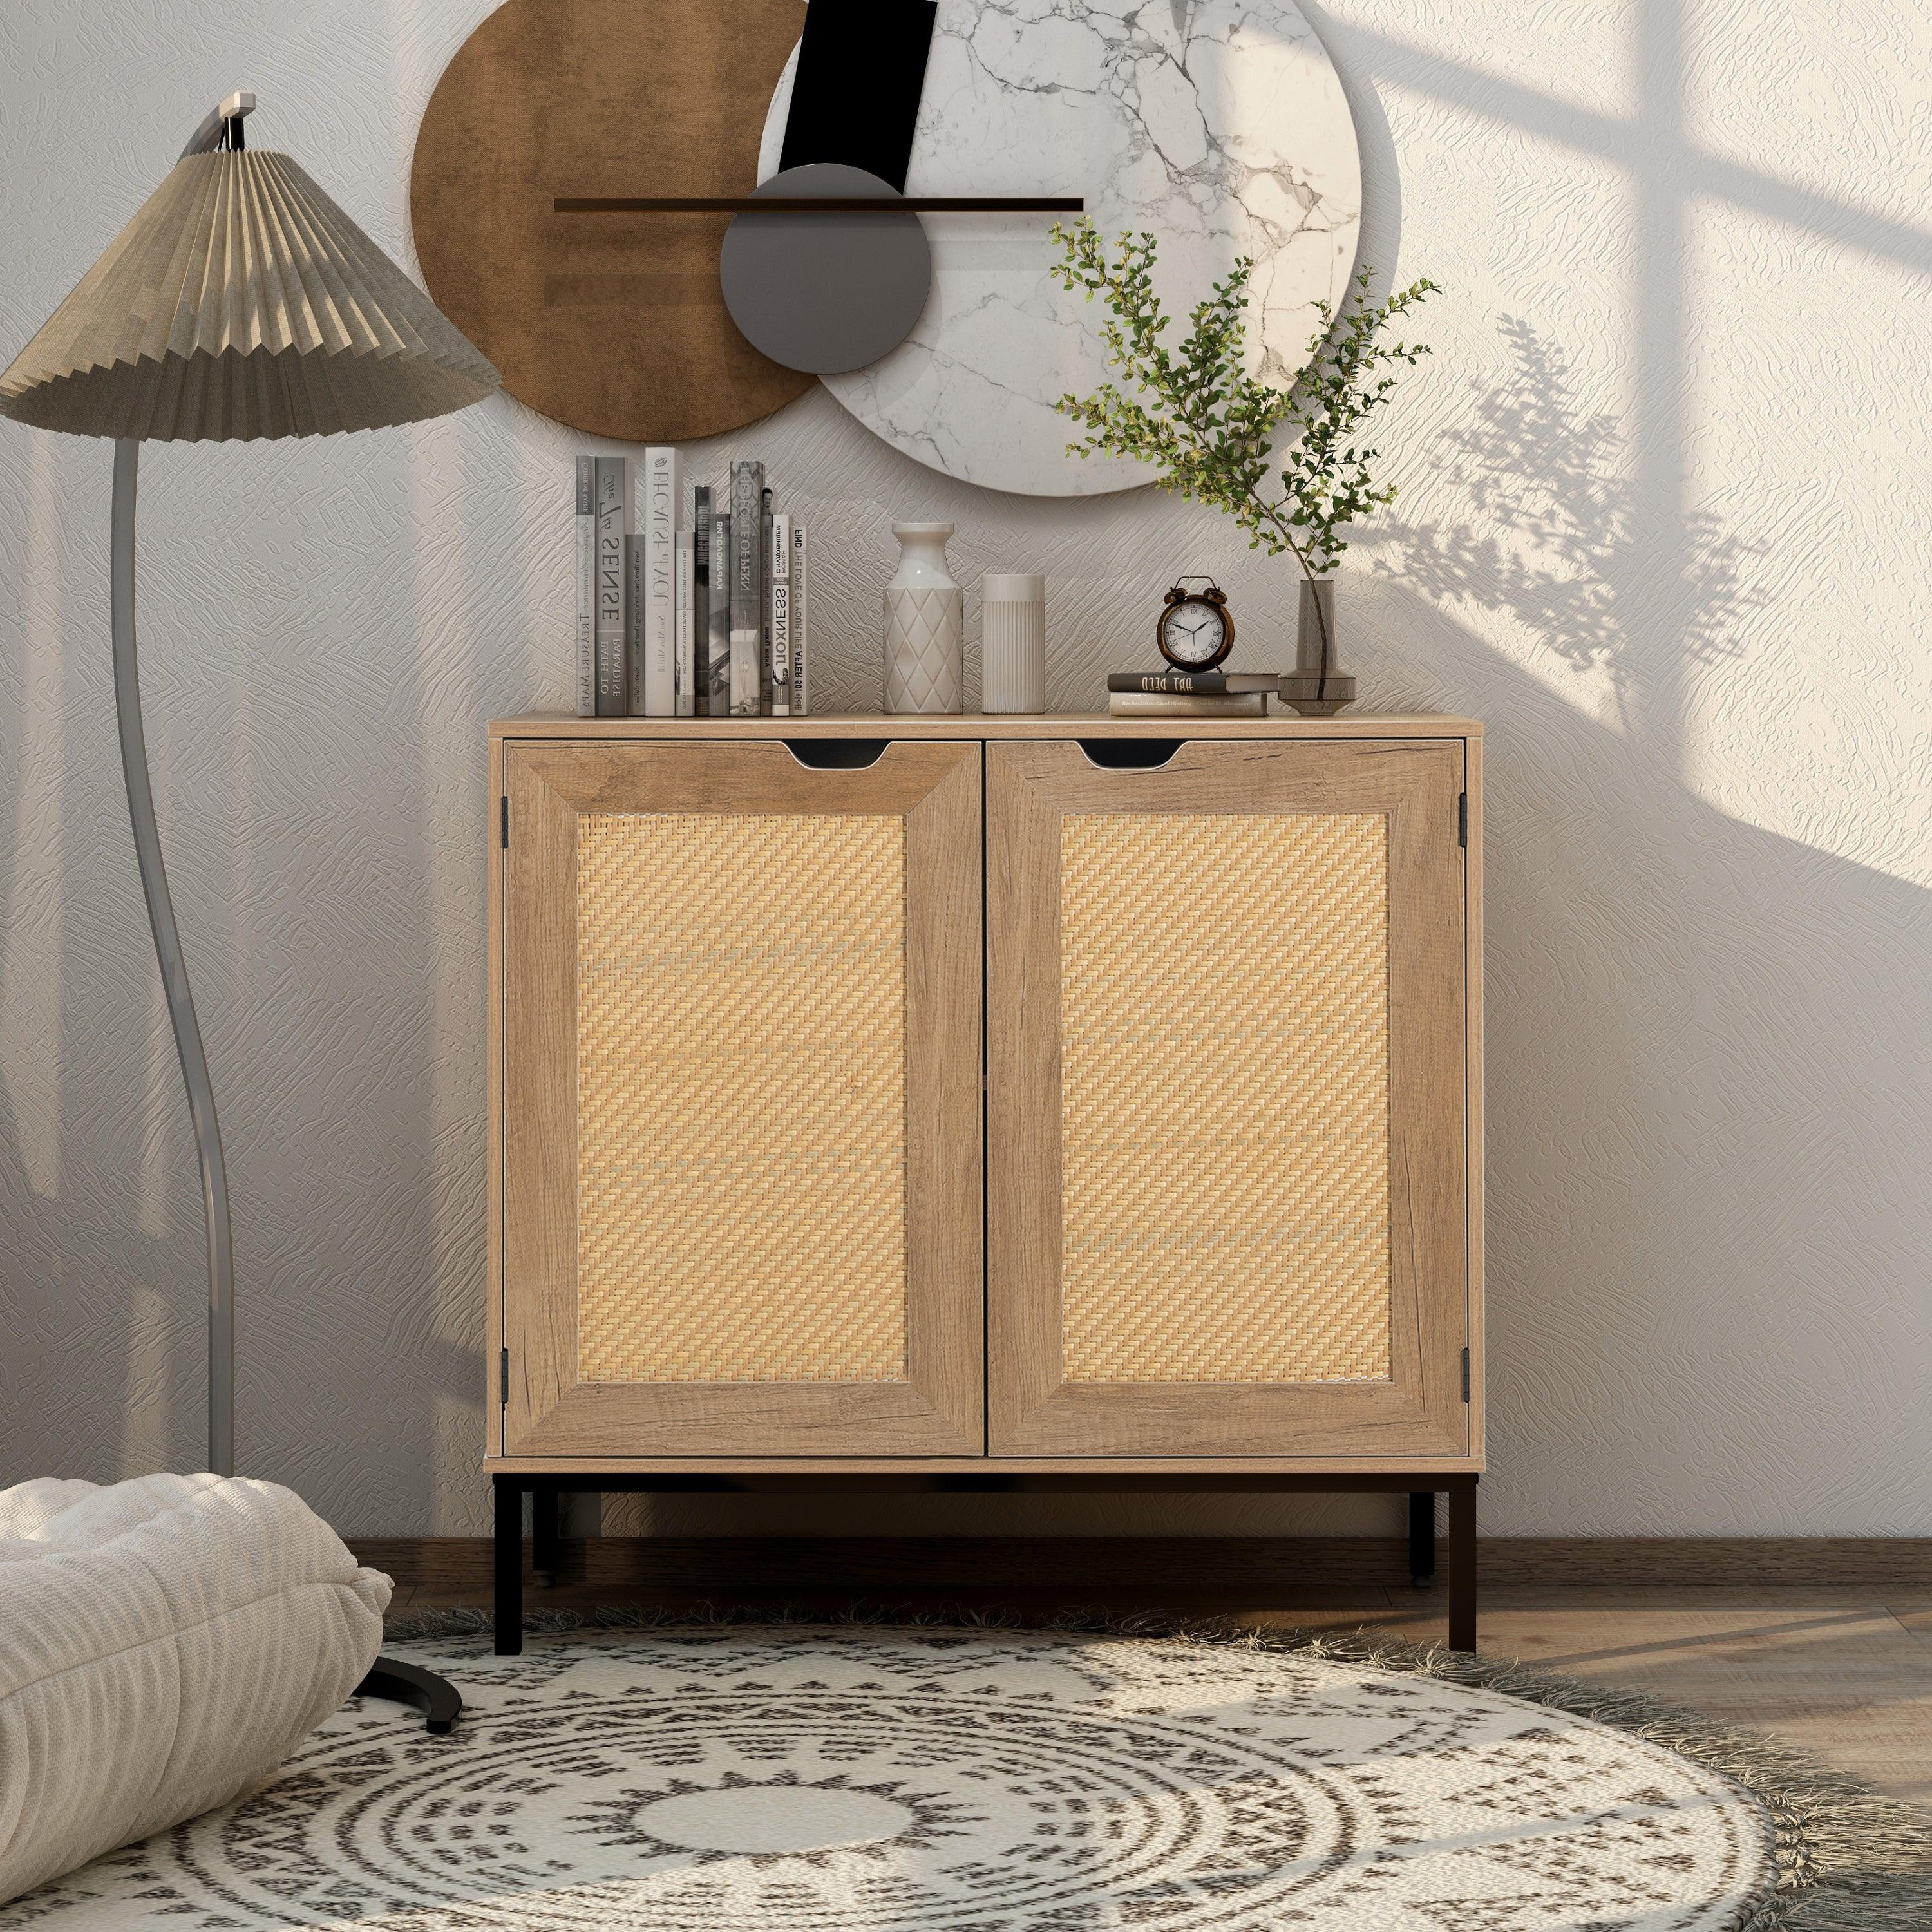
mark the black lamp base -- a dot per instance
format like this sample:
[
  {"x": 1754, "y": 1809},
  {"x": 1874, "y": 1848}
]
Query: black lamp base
[{"x": 436, "y": 1697}]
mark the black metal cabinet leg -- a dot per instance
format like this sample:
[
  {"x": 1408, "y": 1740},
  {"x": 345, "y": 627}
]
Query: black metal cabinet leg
[
  {"x": 1462, "y": 1566},
  {"x": 547, "y": 1533},
  {"x": 508, "y": 1612},
  {"x": 1421, "y": 1537}
]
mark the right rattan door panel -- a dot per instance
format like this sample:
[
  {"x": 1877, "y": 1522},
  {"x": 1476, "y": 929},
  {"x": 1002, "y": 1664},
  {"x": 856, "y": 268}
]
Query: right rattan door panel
[{"x": 1226, "y": 1121}]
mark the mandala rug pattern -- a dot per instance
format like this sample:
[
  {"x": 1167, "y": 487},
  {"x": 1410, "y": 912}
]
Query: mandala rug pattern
[{"x": 855, "y": 1779}]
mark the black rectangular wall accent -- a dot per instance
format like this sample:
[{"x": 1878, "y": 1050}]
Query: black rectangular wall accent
[{"x": 861, "y": 67}]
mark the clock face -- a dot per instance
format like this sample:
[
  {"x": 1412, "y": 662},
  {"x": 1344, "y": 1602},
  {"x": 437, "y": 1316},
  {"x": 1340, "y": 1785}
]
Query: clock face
[{"x": 1193, "y": 635}]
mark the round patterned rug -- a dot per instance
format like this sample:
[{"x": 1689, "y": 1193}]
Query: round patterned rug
[{"x": 856, "y": 1778}]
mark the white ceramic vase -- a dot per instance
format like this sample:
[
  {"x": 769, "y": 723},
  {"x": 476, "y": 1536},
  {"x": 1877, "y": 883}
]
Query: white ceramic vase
[
  {"x": 1013, "y": 642},
  {"x": 926, "y": 625}
]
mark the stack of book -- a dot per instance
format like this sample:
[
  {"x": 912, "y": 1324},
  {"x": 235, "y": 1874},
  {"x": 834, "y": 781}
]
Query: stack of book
[
  {"x": 1190, "y": 694},
  {"x": 707, "y": 621}
]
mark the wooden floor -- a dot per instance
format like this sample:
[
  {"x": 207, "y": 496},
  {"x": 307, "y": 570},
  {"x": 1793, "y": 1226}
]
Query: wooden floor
[{"x": 1846, "y": 1671}]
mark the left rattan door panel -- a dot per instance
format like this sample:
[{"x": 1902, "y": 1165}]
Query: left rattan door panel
[{"x": 741, "y": 1069}]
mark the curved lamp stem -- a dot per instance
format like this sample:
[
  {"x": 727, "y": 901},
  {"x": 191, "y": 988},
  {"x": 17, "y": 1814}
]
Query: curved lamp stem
[{"x": 174, "y": 974}]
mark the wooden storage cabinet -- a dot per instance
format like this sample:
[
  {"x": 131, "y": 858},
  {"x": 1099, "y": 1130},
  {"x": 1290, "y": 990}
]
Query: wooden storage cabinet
[{"x": 1004, "y": 1102}]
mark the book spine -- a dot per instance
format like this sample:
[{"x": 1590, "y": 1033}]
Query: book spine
[
  {"x": 700, "y": 601},
  {"x": 661, "y": 499},
  {"x": 612, "y": 634},
  {"x": 637, "y": 596},
  {"x": 687, "y": 640},
  {"x": 781, "y": 614},
  {"x": 1175, "y": 704},
  {"x": 747, "y": 598},
  {"x": 765, "y": 603},
  {"x": 801, "y": 627},
  {"x": 1195, "y": 683},
  {"x": 720, "y": 666},
  {"x": 586, "y": 587}
]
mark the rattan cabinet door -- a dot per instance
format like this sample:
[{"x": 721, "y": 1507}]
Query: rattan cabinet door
[
  {"x": 1227, "y": 1079},
  {"x": 741, "y": 1053}
]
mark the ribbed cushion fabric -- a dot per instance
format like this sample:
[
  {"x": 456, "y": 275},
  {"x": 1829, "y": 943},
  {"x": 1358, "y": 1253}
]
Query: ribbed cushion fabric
[{"x": 164, "y": 1644}]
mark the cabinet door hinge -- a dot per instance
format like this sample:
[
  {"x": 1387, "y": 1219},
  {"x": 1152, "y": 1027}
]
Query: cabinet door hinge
[
  {"x": 1462, "y": 819},
  {"x": 503, "y": 1376},
  {"x": 503, "y": 821},
  {"x": 1465, "y": 1373}
]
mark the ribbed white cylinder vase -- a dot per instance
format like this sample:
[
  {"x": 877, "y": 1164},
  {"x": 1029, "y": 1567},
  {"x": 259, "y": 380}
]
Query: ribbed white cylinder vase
[
  {"x": 1013, "y": 649},
  {"x": 926, "y": 625}
]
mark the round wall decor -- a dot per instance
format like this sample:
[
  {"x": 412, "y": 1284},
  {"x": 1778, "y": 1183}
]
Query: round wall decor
[
  {"x": 614, "y": 323},
  {"x": 1219, "y": 124}
]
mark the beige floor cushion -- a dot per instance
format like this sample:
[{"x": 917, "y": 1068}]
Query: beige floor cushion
[{"x": 164, "y": 1644}]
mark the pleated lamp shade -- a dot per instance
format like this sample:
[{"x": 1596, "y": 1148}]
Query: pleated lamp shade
[{"x": 241, "y": 302}]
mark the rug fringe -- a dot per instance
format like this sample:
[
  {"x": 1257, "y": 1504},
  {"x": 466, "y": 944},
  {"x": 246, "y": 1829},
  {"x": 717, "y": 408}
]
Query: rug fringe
[{"x": 1848, "y": 1859}]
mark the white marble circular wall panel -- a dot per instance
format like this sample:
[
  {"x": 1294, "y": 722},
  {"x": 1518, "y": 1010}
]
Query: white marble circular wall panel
[{"x": 1219, "y": 124}]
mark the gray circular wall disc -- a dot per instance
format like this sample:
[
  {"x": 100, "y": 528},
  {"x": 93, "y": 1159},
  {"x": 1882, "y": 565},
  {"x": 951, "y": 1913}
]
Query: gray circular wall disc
[{"x": 826, "y": 293}]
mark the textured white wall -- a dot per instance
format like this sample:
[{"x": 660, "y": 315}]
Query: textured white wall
[{"x": 1664, "y": 524}]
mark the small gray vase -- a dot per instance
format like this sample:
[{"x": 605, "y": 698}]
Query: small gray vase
[{"x": 1307, "y": 689}]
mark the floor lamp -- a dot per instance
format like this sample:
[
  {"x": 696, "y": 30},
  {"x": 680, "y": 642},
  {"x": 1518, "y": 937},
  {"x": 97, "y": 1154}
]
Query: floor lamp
[{"x": 240, "y": 302}]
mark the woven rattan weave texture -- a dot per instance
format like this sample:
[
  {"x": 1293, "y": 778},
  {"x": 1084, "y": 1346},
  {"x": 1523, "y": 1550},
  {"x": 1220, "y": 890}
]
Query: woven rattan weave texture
[
  {"x": 1224, "y": 1097},
  {"x": 741, "y": 1098}
]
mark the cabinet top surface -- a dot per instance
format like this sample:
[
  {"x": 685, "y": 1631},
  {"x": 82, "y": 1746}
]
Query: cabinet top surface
[{"x": 976, "y": 725}]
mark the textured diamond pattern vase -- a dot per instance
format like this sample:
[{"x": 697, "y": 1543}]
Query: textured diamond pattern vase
[{"x": 926, "y": 624}]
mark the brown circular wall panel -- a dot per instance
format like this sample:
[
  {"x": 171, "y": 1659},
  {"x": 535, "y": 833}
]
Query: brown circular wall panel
[{"x": 614, "y": 323}]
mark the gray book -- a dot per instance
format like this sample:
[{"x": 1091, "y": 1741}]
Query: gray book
[
  {"x": 586, "y": 520},
  {"x": 686, "y": 557},
  {"x": 748, "y": 588},
  {"x": 718, "y": 665},
  {"x": 613, "y": 632},
  {"x": 801, "y": 626},
  {"x": 637, "y": 614},
  {"x": 765, "y": 696},
  {"x": 700, "y": 598}
]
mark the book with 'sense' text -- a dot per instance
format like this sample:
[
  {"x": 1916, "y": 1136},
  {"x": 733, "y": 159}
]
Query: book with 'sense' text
[{"x": 612, "y": 633}]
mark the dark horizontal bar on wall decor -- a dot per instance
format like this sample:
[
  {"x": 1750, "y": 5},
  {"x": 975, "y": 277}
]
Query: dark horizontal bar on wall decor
[{"x": 917, "y": 204}]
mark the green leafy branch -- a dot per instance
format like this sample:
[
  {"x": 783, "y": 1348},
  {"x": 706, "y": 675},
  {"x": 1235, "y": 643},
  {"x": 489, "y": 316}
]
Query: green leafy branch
[{"x": 1211, "y": 426}]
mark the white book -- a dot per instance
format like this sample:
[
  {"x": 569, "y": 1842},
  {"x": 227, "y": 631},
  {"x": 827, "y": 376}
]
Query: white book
[
  {"x": 801, "y": 628},
  {"x": 1175, "y": 704},
  {"x": 719, "y": 668},
  {"x": 586, "y": 587},
  {"x": 687, "y": 633},
  {"x": 778, "y": 577},
  {"x": 661, "y": 502}
]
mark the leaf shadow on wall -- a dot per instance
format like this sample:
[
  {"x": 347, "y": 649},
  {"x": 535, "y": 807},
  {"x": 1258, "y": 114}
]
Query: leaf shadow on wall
[{"x": 1709, "y": 1044}]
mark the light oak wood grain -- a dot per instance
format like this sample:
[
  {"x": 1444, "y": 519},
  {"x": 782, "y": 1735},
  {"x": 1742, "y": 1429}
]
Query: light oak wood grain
[
  {"x": 1065, "y": 724},
  {"x": 1473, "y": 1078},
  {"x": 1419, "y": 1411},
  {"x": 493, "y": 1126},
  {"x": 935, "y": 788}
]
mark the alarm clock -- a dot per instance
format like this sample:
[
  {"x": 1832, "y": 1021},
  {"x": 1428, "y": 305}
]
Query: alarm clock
[{"x": 1195, "y": 629}]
